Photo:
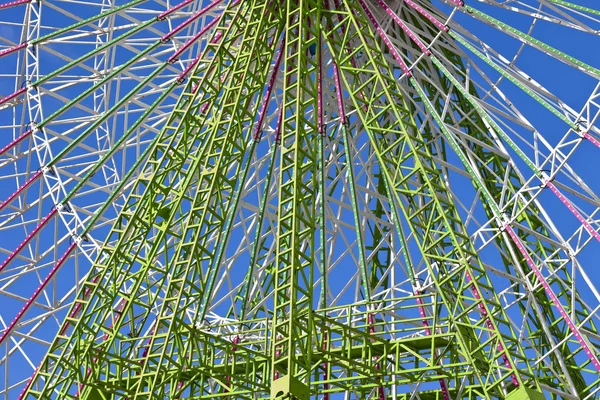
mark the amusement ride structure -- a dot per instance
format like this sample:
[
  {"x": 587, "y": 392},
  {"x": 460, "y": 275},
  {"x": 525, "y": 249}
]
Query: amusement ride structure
[{"x": 244, "y": 199}]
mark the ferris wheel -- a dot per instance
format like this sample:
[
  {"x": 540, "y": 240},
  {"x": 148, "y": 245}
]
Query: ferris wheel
[{"x": 302, "y": 199}]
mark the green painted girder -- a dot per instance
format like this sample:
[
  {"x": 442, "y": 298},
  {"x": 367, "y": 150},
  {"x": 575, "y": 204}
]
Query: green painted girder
[
  {"x": 162, "y": 164},
  {"x": 435, "y": 214},
  {"x": 218, "y": 358},
  {"x": 494, "y": 167},
  {"x": 352, "y": 350},
  {"x": 291, "y": 341},
  {"x": 183, "y": 205},
  {"x": 223, "y": 167}
]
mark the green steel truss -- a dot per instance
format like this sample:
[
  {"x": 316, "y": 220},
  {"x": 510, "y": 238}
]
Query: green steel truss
[{"x": 143, "y": 324}]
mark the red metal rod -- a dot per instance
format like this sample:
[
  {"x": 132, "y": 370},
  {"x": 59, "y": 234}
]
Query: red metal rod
[
  {"x": 588, "y": 227},
  {"x": 24, "y": 243},
  {"x": 442, "y": 382},
  {"x": 591, "y": 139},
  {"x": 13, "y": 49},
  {"x": 20, "y": 190},
  {"x": 385, "y": 38},
  {"x": 405, "y": 28},
  {"x": 13, "y": 4},
  {"x": 12, "y": 96},
  {"x": 37, "y": 292},
  {"x": 553, "y": 297},
  {"x": 62, "y": 331},
  {"x": 424, "y": 13},
  {"x": 187, "y": 44},
  {"x": 171, "y": 10},
  {"x": 190, "y": 20},
  {"x": 490, "y": 326},
  {"x": 15, "y": 142},
  {"x": 270, "y": 86}
]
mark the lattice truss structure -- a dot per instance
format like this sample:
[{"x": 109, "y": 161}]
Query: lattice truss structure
[{"x": 388, "y": 199}]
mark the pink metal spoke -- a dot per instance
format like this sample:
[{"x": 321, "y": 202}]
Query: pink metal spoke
[
  {"x": 35, "y": 294},
  {"x": 576, "y": 213},
  {"x": 24, "y": 243},
  {"x": 591, "y": 139},
  {"x": 171, "y": 10},
  {"x": 77, "y": 307},
  {"x": 13, "y": 4},
  {"x": 424, "y": 13},
  {"x": 190, "y": 20},
  {"x": 405, "y": 28},
  {"x": 190, "y": 42},
  {"x": 236, "y": 340},
  {"x": 270, "y": 86},
  {"x": 320, "y": 90},
  {"x": 15, "y": 142},
  {"x": 12, "y": 96},
  {"x": 442, "y": 382},
  {"x": 20, "y": 190},
  {"x": 489, "y": 324},
  {"x": 325, "y": 366},
  {"x": 385, "y": 38},
  {"x": 553, "y": 297},
  {"x": 13, "y": 49},
  {"x": 338, "y": 88},
  {"x": 62, "y": 331}
]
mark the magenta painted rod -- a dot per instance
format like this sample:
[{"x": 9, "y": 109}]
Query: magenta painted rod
[
  {"x": 280, "y": 116},
  {"x": 430, "y": 17},
  {"x": 77, "y": 306},
  {"x": 320, "y": 90},
  {"x": 277, "y": 355},
  {"x": 190, "y": 20},
  {"x": 371, "y": 321},
  {"x": 236, "y": 340},
  {"x": 24, "y": 243},
  {"x": 352, "y": 61},
  {"x": 385, "y": 38},
  {"x": 270, "y": 86},
  {"x": 13, "y": 49},
  {"x": 89, "y": 370},
  {"x": 187, "y": 44},
  {"x": 13, "y": 3},
  {"x": 20, "y": 190},
  {"x": 338, "y": 90},
  {"x": 62, "y": 331},
  {"x": 459, "y": 3},
  {"x": 191, "y": 65},
  {"x": 325, "y": 367},
  {"x": 35, "y": 294},
  {"x": 405, "y": 28},
  {"x": 278, "y": 126},
  {"x": 591, "y": 139},
  {"x": 12, "y": 96},
  {"x": 171, "y": 10},
  {"x": 553, "y": 297},
  {"x": 187, "y": 69},
  {"x": 442, "y": 382},
  {"x": 576, "y": 213},
  {"x": 14, "y": 142},
  {"x": 489, "y": 324}
]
